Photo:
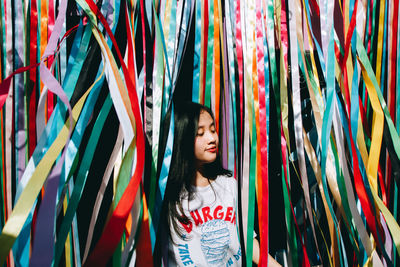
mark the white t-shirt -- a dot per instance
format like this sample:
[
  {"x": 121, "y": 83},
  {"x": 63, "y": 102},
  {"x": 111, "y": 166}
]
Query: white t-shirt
[{"x": 211, "y": 237}]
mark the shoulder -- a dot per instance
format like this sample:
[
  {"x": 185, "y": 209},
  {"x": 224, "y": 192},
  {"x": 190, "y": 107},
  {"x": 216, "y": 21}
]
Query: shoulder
[
  {"x": 227, "y": 183},
  {"x": 226, "y": 179}
]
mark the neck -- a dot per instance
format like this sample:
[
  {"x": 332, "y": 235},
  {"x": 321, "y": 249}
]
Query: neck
[{"x": 200, "y": 180}]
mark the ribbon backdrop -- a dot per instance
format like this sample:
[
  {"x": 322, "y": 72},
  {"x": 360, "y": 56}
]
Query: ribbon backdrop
[{"x": 306, "y": 103}]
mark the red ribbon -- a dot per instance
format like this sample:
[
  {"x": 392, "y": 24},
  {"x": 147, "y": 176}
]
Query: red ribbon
[
  {"x": 239, "y": 54},
  {"x": 114, "y": 229},
  {"x": 366, "y": 203},
  {"x": 264, "y": 205},
  {"x": 392, "y": 86},
  {"x": 32, "y": 79},
  {"x": 50, "y": 95},
  {"x": 205, "y": 46},
  {"x": 144, "y": 252}
]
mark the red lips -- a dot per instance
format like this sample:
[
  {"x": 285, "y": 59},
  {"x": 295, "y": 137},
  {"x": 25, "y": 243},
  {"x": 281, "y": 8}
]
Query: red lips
[{"x": 212, "y": 150}]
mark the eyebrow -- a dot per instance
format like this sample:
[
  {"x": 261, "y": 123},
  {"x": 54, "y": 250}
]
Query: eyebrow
[{"x": 202, "y": 126}]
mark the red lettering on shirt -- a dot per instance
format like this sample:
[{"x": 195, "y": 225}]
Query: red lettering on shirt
[
  {"x": 197, "y": 219},
  {"x": 217, "y": 214},
  {"x": 188, "y": 227},
  {"x": 234, "y": 218},
  {"x": 206, "y": 214},
  {"x": 228, "y": 217}
]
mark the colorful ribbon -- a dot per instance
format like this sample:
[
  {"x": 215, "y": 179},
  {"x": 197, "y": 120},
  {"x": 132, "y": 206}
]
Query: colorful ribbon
[{"x": 328, "y": 69}]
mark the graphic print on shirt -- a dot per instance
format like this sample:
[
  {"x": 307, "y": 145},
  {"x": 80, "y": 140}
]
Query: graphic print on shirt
[{"x": 214, "y": 241}]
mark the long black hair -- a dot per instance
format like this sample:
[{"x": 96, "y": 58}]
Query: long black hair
[{"x": 183, "y": 164}]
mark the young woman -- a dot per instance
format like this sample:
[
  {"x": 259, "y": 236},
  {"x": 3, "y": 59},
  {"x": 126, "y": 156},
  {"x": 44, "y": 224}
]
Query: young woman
[{"x": 201, "y": 196}]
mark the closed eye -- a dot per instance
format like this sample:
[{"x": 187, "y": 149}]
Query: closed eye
[
  {"x": 200, "y": 131},
  {"x": 212, "y": 128}
]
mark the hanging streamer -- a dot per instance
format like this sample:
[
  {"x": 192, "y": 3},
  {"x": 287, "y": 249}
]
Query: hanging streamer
[{"x": 73, "y": 77}]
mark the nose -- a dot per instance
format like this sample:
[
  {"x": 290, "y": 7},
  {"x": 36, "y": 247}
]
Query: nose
[{"x": 211, "y": 137}]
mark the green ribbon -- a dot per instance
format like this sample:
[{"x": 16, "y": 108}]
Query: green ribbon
[
  {"x": 252, "y": 195},
  {"x": 367, "y": 65},
  {"x": 197, "y": 53},
  {"x": 81, "y": 178},
  {"x": 210, "y": 53},
  {"x": 289, "y": 219}
]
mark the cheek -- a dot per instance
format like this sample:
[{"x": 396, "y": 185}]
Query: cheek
[{"x": 197, "y": 146}]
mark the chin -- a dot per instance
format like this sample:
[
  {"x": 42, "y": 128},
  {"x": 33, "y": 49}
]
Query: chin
[
  {"x": 211, "y": 160},
  {"x": 208, "y": 160}
]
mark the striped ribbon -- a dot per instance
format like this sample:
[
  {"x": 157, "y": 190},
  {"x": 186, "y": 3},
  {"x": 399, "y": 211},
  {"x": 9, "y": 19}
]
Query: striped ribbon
[{"x": 330, "y": 69}]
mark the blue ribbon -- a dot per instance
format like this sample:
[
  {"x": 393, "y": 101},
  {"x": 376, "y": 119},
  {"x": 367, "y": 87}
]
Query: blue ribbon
[
  {"x": 162, "y": 182},
  {"x": 196, "y": 54},
  {"x": 21, "y": 246},
  {"x": 326, "y": 130}
]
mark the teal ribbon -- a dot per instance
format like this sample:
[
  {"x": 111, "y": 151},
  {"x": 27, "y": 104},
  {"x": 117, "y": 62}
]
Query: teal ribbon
[
  {"x": 343, "y": 194},
  {"x": 162, "y": 181},
  {"x": 168, "y": 80},
  {"x": 233, "y": 138},
  {"x": 167, "y": 100},
  {"x": 157, "y": 111},
  {"x": 351, "y": 7},
  {"x": 252, "y": 193},
  {"x": 395, "y": 137},
  {"x": 210, "y": 53},
  {"x": 149, "y": 13},
  {"x": 354, "y": 115},
  {"x": 76, "y": 139},
  {"x": 319, "y": 50},
  {"x": 76, "y": 242},
  {"x": 81, "y": 177},
  {"x": 3, "y": 40},
  {"x": 71, "y": 79},
  {"x": 325, "y": 135},
  {"x": 21, "y": 247},
  {"x": 72, "y": 155},
  {"x": 169, "y": 52},
  {"x": 395, "y": 214},
  {"x": 165, "y": 103},
  {"x": 196, "y": 53},
  {"x": 362, "y": 171}
]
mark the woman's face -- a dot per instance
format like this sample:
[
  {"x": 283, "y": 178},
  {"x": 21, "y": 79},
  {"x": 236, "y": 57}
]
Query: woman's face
[{"x": 206, "y": 141}]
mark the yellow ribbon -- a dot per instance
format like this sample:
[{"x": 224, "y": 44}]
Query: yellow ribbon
[
  {"x": 44, "y": 21},
  {"x": 380, "y": 42},
  {"x": 217, "y": 64},
  {"x": 317, "y": 171},
  {"x": 202, "y": 62},
  {"x": 373, "y": 160},
  {"x": 22, "y": 208},
  {"x": 68, "y": 240}
]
